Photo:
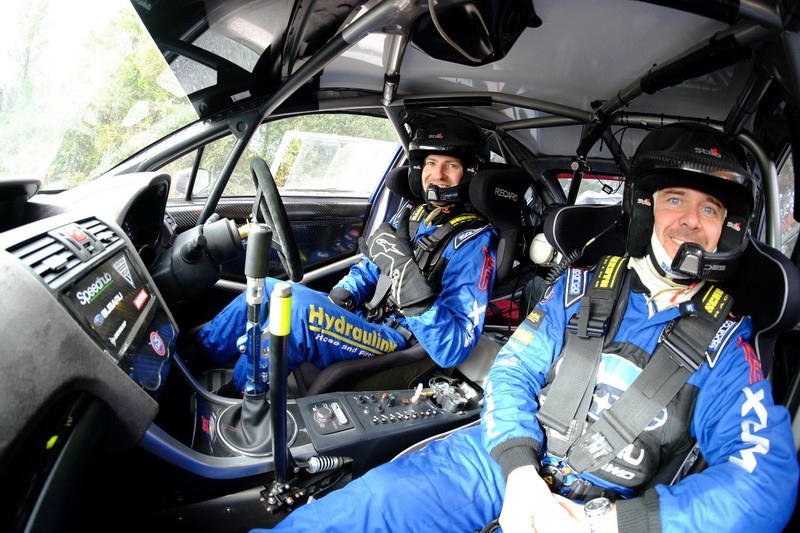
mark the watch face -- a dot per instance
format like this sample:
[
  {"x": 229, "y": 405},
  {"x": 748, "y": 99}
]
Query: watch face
[{"x": 597, "y": 507}]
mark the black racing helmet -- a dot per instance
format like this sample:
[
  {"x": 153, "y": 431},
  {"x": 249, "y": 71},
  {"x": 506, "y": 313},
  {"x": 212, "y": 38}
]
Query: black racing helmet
[
  {"x": 698, "y": 157},
  {"x": 454, "y": 136}
]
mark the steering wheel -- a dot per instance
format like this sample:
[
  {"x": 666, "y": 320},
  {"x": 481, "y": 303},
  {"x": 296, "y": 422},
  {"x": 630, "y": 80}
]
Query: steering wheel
[{"x": 270, "y": 206}]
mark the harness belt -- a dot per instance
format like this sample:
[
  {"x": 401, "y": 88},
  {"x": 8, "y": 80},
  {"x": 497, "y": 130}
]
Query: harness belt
[
  {"x": 427, "y": 251},
  {"x": 563, "y": 413},
  {"x": 680, "y": 352}
]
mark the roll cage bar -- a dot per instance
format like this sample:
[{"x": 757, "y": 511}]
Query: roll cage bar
[{"x": 761, "y": 22}]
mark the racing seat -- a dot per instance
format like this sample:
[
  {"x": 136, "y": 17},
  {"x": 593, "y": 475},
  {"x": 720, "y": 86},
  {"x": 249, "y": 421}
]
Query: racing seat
[
  {"x": 503, "y": 209},
  {"x": 762, "y": 287},
  {"x": 763, "y": 269},
  {"x": 569, "y": 228}
]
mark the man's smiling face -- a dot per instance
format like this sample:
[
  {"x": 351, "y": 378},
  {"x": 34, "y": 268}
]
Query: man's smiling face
[{"x": 686, "y": 215}]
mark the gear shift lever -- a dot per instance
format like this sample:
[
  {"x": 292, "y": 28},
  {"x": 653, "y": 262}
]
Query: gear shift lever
[
  {"x": 256, "y": 268},
  {"x": 246, "y": 427}
]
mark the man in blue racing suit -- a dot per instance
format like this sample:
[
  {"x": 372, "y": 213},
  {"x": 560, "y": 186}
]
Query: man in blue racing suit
[
  {"x": 686, "y": 190},
  {"x": 443, "y": 310}
]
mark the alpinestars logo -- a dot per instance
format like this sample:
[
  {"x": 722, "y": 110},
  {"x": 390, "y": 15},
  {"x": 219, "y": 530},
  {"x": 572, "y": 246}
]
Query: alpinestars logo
[
  {"x": 388, "y": 247},
  {"x": 713, "y": 152}
]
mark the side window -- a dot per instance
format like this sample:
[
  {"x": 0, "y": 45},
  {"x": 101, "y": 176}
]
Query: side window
[
  {"x": 789, "y": 226},
  {"x": 595, "y": 188},
  {"x": 310, "y": 162},
  {"x": 311, "y": 155}
]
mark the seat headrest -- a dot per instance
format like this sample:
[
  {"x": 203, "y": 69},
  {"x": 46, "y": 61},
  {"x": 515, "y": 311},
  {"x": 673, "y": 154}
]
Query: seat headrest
[
  {"x": 397, "y": 182},
  {"x": 570, "y": 227},
  {"x": 499, "y": 194}
]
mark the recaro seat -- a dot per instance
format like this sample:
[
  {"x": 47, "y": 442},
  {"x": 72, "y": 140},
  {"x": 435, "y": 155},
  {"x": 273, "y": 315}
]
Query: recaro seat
[{"x": 498, "y": 192}]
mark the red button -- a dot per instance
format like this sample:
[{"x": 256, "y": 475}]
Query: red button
[{"x": 77, "y": 235}]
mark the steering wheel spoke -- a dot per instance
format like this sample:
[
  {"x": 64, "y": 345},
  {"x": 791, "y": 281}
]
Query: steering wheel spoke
[{"x": 270, "y": 206}]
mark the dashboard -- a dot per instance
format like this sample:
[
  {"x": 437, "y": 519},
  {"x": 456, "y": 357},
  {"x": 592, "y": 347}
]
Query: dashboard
[{"x": 81, "y": 315}]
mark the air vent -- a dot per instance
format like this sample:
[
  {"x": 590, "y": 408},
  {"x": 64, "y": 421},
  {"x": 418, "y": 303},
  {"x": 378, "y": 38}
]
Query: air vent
[
  {"x": 101, "y": 231},
  {"x": 55, "y": 254},
  {"x": 48, "y": 257}
]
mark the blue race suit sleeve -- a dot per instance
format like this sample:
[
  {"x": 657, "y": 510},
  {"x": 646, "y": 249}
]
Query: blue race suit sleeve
[
  {"x": 450, "y": 329},
  {"x": 517, "y": 376},
  {"x": 751, "y": 481}
]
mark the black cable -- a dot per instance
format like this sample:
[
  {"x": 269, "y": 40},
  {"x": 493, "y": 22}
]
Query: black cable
[
  {"x": 573, "y": 256},
  {"x": 565, "y": 263},
  {"x": 491, "y": 526}
]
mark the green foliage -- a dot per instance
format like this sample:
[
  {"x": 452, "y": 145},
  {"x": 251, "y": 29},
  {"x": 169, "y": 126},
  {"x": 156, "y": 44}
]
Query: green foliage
[
  {"x": 115, "y": 127},
  {"x": 267, "y": 140}
]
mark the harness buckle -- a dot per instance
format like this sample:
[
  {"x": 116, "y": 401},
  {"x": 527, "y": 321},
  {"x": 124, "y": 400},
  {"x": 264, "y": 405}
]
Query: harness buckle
[
  {"x": 426, "y": 243},
  {"x": 594, "y": 327}
]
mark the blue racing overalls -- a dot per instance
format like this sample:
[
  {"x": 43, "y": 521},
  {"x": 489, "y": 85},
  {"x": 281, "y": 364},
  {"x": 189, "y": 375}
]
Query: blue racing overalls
[
  {"x": 455, "y": 485},
  {"x": 323, "y": 333}
]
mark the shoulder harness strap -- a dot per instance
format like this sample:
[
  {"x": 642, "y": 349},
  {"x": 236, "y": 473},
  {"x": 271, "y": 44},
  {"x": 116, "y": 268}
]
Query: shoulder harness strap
[
  {"x": 429, "y": 248},
  {"x": 563, "y": 413},
  {"x": 681, "y": 351},
  {"x": 427, "y": 252}
]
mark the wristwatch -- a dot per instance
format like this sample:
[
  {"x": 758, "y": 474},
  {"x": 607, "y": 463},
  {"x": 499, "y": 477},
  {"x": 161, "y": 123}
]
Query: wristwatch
[{"x": 597, "y": 513}]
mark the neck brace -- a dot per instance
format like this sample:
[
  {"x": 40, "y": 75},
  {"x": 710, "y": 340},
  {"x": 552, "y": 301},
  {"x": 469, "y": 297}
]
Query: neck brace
[{"x": 665, "y": 292}]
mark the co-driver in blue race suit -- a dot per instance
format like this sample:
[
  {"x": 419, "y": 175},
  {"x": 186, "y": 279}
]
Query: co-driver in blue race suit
[
  {"x": 464, "y": 481},
  {"x": 444, "y": 315}
]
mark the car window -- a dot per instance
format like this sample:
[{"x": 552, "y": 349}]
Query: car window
[
  {"x": 331, "y": 154},
  {"x": 789, "y": 226},
  {"x": 595, "y": 188},
  {"x": 51, "y": 127}
]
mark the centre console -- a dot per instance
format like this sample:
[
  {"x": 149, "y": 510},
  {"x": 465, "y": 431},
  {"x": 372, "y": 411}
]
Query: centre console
[
  {"x": 372, "y": 427},
  {"x": 368, "y": 427}
]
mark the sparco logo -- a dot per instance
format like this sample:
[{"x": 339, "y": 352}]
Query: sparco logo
[
  {"x": 722, "y": 332},
  {"x": 87, "y": 295},
  {"x": 575, "y": 282},
  {"x": 502, "y": 193}
]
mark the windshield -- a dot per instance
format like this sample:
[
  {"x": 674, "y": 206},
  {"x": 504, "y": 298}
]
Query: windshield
[{"x": 82, "y": 87}]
